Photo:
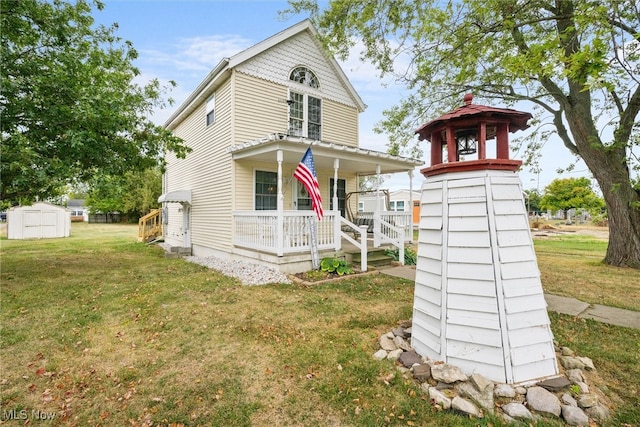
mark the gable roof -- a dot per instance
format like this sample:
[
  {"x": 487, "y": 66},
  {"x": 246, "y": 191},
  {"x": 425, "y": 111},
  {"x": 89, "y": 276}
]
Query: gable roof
[{"x": 207, "y": 86}]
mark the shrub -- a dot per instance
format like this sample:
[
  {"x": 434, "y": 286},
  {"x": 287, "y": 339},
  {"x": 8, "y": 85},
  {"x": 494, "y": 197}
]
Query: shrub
[
  {"x": 335, "y": 265},
  {"x": 410, "y": 255}
]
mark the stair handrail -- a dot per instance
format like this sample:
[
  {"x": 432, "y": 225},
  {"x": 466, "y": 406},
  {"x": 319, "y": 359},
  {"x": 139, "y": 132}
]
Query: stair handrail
[
  {"x": 386, "y": 238},
  {"x": 150, "y": 225},
  {"x": 362, "y": 244}
]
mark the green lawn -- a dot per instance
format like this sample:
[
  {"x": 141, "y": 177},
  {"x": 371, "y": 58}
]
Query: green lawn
[
  {"x": 571, "y": 265},
  {"x": 102, "y": 330}
]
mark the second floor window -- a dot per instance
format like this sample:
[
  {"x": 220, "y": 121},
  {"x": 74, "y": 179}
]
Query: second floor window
[
  {"x": 304, "y": 76},
  {"x": 211, "y": 107},
  {"x": 305, "y": 115}
]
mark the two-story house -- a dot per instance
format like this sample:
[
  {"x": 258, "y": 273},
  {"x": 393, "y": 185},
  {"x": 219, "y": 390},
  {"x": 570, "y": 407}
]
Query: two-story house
[{"x": 249, "y": 123}]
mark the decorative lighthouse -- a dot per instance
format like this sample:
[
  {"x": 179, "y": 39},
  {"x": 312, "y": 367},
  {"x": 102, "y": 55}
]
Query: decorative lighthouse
[{"x": 478, "y": 300}]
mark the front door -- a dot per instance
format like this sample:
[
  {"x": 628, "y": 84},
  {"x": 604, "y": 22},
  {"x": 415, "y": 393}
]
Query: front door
[{"x": 301, "y": 199}]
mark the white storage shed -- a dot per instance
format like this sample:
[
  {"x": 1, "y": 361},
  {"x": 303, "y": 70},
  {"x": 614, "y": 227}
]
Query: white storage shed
[{"x": 38, "y": 221}]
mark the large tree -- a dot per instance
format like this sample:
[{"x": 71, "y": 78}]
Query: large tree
[
  {"x": 577, "y": 61},
  {"x": 70, "y": 106},
  {"x": 563, "y": 194},
  {"x": 133, "y": 194}
]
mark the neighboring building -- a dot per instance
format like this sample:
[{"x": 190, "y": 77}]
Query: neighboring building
[
  {"x": 38, "y": 221},
  {"x": 79, "y": 213},
  {"x": 249, "y": 123},
  {"x": 395, "y": 201}
]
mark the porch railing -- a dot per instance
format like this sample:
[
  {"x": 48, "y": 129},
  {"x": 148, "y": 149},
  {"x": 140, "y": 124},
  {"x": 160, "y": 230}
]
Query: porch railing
[
  {"x": 267, "y": 232},
  {"x": 259, "y": 230},
  {"x": 400, "y": 220}
]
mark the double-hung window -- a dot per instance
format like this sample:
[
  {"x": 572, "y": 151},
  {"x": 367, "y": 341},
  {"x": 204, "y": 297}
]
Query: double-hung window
[
  {"x": 266, "y": 191},
  {"x": 305, "y": 115},
  {"x": 305, "y": 110}
]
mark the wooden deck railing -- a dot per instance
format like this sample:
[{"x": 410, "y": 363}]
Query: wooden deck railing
[{"x": 150, "y": 226}]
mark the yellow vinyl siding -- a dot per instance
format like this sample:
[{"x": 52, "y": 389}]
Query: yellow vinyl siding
[
  {"x": 339, "y": 123},
  {"x": 206, "y": 171},
  {"x": 260, "y": 108}
]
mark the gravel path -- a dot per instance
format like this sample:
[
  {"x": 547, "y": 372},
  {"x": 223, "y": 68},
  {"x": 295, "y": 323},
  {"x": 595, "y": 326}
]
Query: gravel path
[{"x": 247, "y": 272}]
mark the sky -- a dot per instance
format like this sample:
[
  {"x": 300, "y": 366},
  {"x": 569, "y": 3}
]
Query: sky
[{"x": 182, "y": 40}]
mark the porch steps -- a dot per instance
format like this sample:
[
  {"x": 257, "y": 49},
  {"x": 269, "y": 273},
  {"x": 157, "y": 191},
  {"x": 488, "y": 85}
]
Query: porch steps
[{"x": 376, "y": 257}]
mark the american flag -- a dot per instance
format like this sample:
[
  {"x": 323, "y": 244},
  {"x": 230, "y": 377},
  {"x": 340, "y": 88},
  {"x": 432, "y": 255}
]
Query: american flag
[{"x": 306, "y": 174}]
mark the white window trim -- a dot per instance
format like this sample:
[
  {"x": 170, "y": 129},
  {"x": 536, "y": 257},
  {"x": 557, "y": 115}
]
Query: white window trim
[
  {"x": 253, "y": 190},
  {"x": 307, "y": 82},
  {"x": 305, "y": 111},
  {"x": 210, "y": 109}
]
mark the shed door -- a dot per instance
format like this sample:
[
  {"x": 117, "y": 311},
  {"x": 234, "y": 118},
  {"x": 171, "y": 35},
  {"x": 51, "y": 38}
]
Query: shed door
[{"x": 32, "y": 229}]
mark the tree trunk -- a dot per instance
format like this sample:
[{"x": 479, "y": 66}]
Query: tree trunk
[
  {"x": 624, "y": 227},
  {"x": 608, "y": 164},
  {"x": 609, "y": 168}
]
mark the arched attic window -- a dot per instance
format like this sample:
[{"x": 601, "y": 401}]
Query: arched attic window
[{"x": 304, "y": 76}]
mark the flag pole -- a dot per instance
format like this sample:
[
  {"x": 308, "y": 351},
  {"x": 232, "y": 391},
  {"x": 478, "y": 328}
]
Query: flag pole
[
  {"x": 313, "y": 236},
  {"x": 313, "y": 231}
]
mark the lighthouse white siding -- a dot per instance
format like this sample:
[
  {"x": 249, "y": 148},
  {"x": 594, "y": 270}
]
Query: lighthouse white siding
[{"x": 478, "y": 297}]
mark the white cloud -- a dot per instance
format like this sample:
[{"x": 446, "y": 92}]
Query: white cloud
[
  {"x": 365, "y": 76},
  {"x": 187, "y": 62},
  {"x": 195, "y": 56}
]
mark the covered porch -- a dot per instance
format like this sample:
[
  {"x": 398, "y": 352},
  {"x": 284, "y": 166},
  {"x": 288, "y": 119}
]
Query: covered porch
[{"x": 284, "y": 232}]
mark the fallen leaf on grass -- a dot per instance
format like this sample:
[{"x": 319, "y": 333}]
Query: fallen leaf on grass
[{"x": 386, "y": 378}]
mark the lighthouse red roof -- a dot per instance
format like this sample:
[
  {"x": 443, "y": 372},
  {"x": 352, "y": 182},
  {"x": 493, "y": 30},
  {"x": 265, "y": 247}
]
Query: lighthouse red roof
[{"x": 474, "y": 113}]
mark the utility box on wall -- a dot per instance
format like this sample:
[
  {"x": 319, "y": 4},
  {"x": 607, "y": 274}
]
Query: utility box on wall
[
  {"x": 478, "y": 301},
  {"x": 38, "y": 221}
]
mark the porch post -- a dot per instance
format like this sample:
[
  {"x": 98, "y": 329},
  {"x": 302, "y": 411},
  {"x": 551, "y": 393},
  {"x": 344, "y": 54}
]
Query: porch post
[
  {"x": 280, "y": 217},
  {"x": 336, "y": 209},
  {"x": 376, "y": 211}
]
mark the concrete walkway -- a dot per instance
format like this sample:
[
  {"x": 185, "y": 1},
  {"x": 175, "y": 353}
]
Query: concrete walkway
[{"x": 563, "y": 305}]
